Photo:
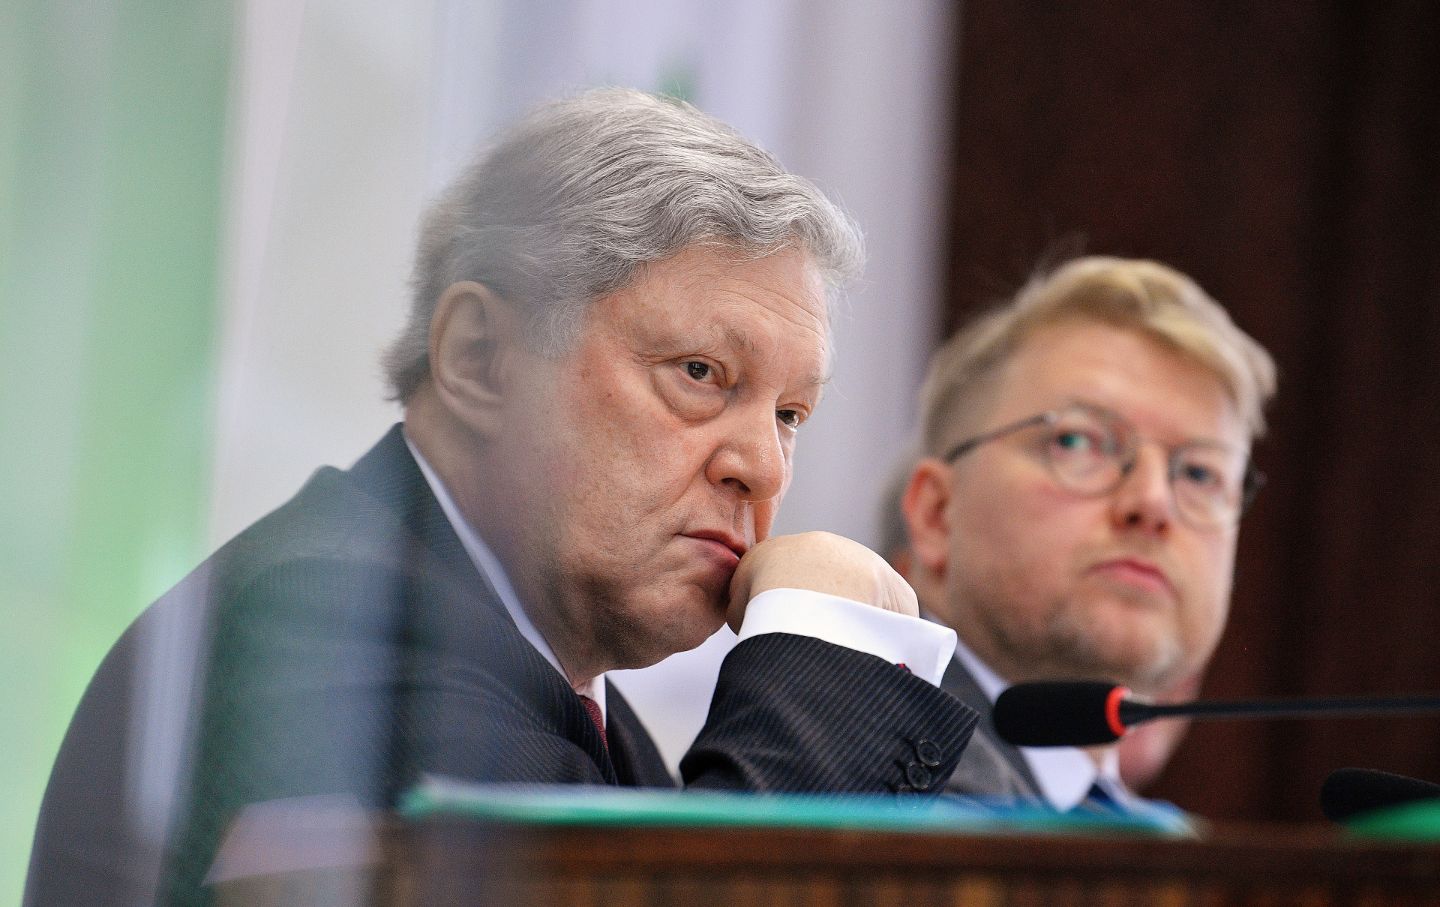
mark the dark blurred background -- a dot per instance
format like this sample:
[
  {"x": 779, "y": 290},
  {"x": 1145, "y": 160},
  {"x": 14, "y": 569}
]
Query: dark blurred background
[{"x": 1286, "y": 156}]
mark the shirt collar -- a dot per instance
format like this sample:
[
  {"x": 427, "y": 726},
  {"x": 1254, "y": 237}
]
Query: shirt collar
[
  {"x": 490, "y": 567},
  {"x": 1065, "y": 773}
]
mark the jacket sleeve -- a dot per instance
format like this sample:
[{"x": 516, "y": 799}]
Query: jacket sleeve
[{"x": 791, "y": 713}]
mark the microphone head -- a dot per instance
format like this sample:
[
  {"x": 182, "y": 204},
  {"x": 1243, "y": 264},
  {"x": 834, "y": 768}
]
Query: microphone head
[
  {"x": 1350, "y": 792},
  {"x": 1060, "y": 713}
]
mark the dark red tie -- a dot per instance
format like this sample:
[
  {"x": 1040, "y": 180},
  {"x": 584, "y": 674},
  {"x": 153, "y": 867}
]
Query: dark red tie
[{"x": 592, "y": 708}]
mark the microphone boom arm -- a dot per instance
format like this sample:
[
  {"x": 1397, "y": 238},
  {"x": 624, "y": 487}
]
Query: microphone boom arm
[{"x": 1132, "y": 712}]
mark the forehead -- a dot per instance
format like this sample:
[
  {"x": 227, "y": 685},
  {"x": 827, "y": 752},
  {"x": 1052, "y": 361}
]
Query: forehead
[
  {"x": 773, "y": 306},
  {"x": 1166, "y": 394}
]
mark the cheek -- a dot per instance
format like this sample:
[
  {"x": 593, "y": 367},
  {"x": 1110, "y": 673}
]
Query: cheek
[
  {"x": 608, "y": 426},
  {"x": 1017, "y": 538},
  {"x": 1212, "y": 573},
  {"x": 630, "y": 467}
]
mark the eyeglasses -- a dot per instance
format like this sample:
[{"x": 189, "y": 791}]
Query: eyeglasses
[{"x": 1090, "y": 451}]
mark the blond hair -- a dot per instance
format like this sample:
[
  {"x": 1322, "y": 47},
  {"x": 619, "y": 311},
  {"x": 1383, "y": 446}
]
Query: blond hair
[{"x": 1147, "y": 297}]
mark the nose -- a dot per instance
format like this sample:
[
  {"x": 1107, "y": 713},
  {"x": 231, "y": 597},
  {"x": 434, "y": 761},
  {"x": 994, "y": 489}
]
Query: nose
[
  {"x": 1143, "y": 501},
  {"x": 750, "y": 457}
]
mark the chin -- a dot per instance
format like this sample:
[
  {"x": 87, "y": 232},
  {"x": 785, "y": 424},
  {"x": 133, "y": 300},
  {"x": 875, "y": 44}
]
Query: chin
[
  {"x": 677, "y": 624},
  {"x": 1148, "y": 669},
  {"x": 694, "y": 632},
  {"x": 1139, "y": 657}
]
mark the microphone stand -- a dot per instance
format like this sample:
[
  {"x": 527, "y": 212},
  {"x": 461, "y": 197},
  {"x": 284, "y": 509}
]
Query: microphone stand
[{"x": 1132, "y": 712}]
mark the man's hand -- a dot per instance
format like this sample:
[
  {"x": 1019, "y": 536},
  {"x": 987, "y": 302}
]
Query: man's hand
[{"x": 822, "y": 562}]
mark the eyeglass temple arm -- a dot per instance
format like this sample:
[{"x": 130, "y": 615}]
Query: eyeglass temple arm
[{"x": 969, "y": 444}]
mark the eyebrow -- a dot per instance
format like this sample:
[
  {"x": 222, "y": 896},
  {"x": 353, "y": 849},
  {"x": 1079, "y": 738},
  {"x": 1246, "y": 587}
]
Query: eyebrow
[{"x": 740, "y": 340}]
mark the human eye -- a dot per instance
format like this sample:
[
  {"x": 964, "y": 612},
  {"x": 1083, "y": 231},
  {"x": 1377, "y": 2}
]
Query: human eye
[
  {"x": 791, "y": 418},
  {"x": 1210, "y": 474},
  {"x": 692, "y": 386},
  {"x": 1072, "y": 440},
  {"x": 1199, "y": 474},
  {"x": 1079, "y": 442},
  {"x": 1204, "y": 474},
  {"x": 1081, "y": 447},
  {"x": 699, "y": 370}
]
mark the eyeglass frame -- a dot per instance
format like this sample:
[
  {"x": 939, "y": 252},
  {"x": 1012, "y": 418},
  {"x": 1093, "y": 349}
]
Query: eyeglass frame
[{"x": 1250, "y": 483}]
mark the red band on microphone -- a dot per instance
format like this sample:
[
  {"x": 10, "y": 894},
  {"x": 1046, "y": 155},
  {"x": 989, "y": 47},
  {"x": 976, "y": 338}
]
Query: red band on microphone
[{"x": 1112, "y": 710}]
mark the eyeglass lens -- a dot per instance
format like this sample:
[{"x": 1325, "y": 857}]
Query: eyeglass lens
[{"x": 1090, "y": 451}]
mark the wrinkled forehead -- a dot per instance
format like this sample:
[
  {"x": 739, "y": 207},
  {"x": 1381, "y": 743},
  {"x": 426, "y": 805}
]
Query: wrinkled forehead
[
  {"x": 790, "y": 270},
  {"x": 772, "y": 308},
  {"x": 722, "y": 290}
]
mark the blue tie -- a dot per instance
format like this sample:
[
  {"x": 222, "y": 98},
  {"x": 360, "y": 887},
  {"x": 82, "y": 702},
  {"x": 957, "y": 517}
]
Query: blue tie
[{"x": 1099, "y": 802}]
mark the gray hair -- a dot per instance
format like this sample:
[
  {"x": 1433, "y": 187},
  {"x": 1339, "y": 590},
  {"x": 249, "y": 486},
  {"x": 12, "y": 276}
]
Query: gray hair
[{"x": 582, "y": 192}]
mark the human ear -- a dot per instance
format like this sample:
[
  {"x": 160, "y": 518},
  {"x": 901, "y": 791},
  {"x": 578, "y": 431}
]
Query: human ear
[
  {"x": 925, "y": 504},
  {"x": 473, "y": 335}
]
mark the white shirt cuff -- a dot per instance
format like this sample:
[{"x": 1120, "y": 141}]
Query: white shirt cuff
[{"x": 923, "y": 647}]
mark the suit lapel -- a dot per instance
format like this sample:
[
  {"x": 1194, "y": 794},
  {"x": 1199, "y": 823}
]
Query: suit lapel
[
  {"x": 637, "y": 762},
  {"x": 389, "y": 475},
  {"x": 989, "y": 766}
]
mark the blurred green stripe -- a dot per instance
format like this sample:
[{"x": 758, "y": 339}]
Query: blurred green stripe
[{"x": 112, "y": 118}]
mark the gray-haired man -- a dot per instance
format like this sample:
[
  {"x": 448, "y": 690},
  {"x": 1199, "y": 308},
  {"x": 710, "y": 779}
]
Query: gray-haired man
[{"x": 620, "y": 323}]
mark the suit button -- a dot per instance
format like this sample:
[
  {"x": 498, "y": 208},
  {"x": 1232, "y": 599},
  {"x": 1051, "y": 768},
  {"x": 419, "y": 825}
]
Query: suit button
[
  {"x": 918, "y": 775},
  {"x": 928, "y": 752}
]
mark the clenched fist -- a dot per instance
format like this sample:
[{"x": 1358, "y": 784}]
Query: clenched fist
[{"x": 822, "y": 562}]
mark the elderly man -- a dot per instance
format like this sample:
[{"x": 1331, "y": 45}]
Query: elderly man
[
  {"x": 619, "y": 327},
  {"x": 1087, "y": 462}
]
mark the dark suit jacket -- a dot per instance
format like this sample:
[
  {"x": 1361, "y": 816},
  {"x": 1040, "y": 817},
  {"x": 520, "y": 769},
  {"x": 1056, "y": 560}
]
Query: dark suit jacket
[
  {"x": 345, "y": 644},
  {"x": 990, "y": 767}
]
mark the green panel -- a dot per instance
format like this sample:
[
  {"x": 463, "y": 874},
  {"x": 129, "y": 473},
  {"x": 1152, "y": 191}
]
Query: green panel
[
  {"x": 629, "y": 807},
  {"x": 1415, "y": 822},
  {"x": 112, "y": 118}
]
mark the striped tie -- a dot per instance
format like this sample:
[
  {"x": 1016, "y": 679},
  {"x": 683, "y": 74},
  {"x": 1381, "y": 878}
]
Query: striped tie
[{"x": 592, "y": 708}]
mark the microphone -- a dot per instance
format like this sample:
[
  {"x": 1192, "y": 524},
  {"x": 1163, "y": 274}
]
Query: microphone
[
  {"x": 1350, "y": 792},
  {"x": 1084, "y": 713},
  {"x": 1061, "y": 713}
]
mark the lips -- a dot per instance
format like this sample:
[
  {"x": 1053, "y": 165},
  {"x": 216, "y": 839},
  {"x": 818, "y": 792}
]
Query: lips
[
  {"x": 721, "y": 539},
  {"x": 1135, "y": 571}
]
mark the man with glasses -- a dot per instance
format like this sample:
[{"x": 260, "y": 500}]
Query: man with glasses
[{"x": 1086, "y": 465}]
